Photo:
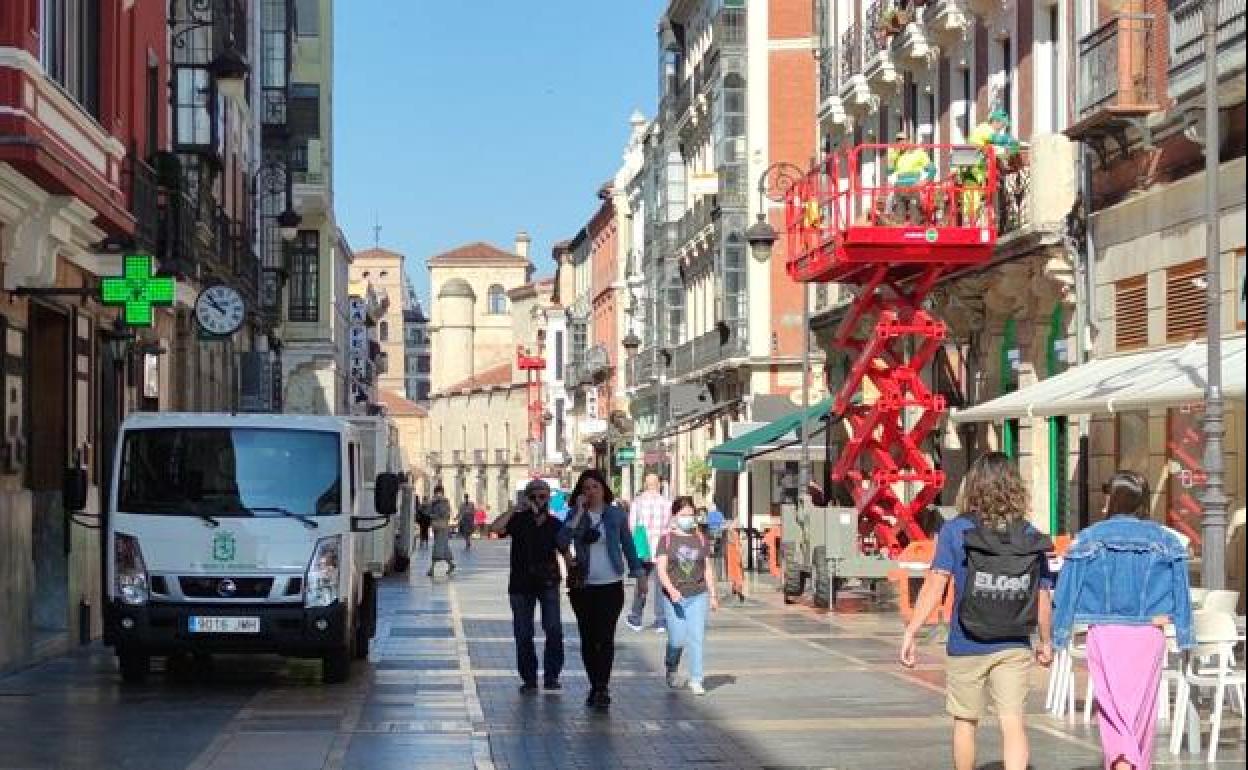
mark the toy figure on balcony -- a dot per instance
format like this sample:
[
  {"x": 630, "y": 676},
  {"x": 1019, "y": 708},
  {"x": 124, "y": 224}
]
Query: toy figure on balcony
[{"x": 910, "y": 173}]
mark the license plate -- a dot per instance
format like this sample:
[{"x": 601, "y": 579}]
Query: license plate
[{"x": 217, "y": 625}]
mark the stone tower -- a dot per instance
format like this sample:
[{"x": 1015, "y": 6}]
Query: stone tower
[{"x": 455, "y": 339}]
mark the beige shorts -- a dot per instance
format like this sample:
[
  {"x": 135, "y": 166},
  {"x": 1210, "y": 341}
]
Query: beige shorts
[{"x": 1004, "y": 676}]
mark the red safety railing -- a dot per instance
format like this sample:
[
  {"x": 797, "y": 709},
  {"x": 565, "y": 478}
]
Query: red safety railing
[{"x": 849, "y": 212}]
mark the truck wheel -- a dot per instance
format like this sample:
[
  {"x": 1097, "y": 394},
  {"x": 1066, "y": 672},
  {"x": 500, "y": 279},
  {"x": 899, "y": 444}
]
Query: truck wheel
[
  {"x": 336, "y": 666},
  {"x": 134, "y": 666},
  {"x": 794, "y": 581},
  {"x": 823, "y": 579},
  {"x": 361, "y": 636}
]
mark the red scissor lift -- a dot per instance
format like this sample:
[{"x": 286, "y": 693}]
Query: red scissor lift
[
  {"x": 842, "y": 226},
  {"x": 533, "y": 365}
]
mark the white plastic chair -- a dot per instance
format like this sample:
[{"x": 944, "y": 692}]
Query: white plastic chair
[
  {"x": 1198, "y": 597},
  {"x": 1209, "y": 665},
  {"x": 1220, "y": 601},
  {"x": 1060, "y": 700}
]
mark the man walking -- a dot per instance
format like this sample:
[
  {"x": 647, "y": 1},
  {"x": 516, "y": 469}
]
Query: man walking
[
  {"x": 534, "y": 580},
  {"x": 423, "y": 521},
  {"x": 651, "y": 513},
  {"x": 467, "y": 520}
]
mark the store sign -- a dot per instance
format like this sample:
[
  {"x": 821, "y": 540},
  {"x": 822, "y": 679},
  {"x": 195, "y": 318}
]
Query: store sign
[
  {"x": 138, "y": 290},
  {"x": 625, "y": 455}
]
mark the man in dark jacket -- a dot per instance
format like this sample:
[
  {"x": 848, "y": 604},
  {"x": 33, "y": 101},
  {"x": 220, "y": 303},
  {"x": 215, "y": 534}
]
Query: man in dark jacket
[{"x": 534, "y": 580}]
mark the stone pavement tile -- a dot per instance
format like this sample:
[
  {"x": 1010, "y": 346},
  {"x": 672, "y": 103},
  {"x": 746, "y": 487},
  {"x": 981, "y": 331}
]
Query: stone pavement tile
[
  {"x": 273, "y": 751},
  {"x": 405, "y": 752}
]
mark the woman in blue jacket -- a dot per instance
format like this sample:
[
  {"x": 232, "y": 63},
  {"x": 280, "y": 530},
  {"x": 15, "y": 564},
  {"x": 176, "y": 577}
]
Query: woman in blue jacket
[
  {"x": 1126, "y": 577},
  {"x": 600, "y": 545}
]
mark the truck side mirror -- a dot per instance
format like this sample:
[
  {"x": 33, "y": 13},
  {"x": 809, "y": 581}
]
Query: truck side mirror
[
  {"x": 74, "y": 488},
  {"x": 386, "y": 494}
]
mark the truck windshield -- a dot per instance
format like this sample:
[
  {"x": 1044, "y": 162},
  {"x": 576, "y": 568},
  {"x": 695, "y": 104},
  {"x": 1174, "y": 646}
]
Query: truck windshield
[{"x": 230, "y": 472}]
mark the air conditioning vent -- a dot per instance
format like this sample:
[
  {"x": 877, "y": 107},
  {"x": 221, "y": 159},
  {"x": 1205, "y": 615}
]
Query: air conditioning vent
[{"x": 1131, "y": 313}]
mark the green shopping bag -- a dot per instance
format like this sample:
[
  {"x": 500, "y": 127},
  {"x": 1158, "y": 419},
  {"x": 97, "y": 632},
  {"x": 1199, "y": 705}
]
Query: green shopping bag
[{"x": 641, "y": 541}]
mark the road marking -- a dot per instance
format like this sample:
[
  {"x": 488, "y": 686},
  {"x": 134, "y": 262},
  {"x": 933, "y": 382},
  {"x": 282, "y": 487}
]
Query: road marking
[{"x": 482, "y": 757}]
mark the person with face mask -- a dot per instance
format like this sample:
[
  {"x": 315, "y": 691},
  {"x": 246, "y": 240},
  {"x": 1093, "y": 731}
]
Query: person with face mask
[{"x": 688, "y": 578}]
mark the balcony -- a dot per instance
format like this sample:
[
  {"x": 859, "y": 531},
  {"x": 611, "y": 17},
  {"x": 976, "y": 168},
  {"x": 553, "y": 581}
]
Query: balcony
[
  {"x": 457, "y": 457},
  {"x": 694, "y": 228},
  {"x": 856, "y": 97},
  {"x": 434, "y": 459},
  {"x": 728, "y": 28},
  {"x": 950, "y": 26},
  {"x": 877, "y": 53},
  {"x": 479, "y": 457},
  {"x": 144, "y": 203},
  {"x": 1115, "y": 88},
  {"x": 598, "y": 363},
  {"x": 500, "y": 457},
  {"x": 706, "y": 351},
  {"x": 1030, "y": 214},
  {"x": 1187, "y": 51},
  {"x": 913, "y": 51},
  {"x": 831, "y": 111}
]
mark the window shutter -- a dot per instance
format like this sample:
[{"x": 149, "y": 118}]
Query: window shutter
[
  {"x": 1131, "y": 313},
  {"x": 1185, "y": 302}
]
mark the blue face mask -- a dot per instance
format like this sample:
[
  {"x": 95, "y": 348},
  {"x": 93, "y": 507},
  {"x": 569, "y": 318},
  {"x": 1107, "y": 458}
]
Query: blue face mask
[{"x": 685, "y": 523}]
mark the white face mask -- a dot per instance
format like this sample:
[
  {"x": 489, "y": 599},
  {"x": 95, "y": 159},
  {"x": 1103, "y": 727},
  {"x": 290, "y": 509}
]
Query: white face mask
[{"x": 685, "y": 523}]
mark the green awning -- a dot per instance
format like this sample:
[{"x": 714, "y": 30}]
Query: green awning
[{"x": 734, "y": 454}]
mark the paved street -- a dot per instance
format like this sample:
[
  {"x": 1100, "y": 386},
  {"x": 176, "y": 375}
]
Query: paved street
[{"x": 789, "y": 688}]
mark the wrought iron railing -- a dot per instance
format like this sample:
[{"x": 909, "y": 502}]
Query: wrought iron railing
[
  {"x": 729, "y": 27},
  {"x": 706, "y": 350},
  {"x": 828, "y": 80},
  {"x": 1013, "y": 202},
  {"x": 144, "y": 203},
  {"x": 874, "y": 40},
  {"x": 1187, "y": 27},
  {"x": 851, "y": 51},
  {"x": 1114, "y": 69}
]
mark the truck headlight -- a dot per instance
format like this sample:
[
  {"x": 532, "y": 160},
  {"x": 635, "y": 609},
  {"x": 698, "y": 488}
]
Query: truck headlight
[
  {"x": 129, "y": 570},
  {"x": 321, "y": 578}
]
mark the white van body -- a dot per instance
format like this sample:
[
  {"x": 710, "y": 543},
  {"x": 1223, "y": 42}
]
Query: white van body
[
  {"x": 379, "y": 453},
  {"x": 239, "y": 533}
]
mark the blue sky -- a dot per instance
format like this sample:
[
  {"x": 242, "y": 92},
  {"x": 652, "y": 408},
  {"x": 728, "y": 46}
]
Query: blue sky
[{"x": 469, "y": 120}]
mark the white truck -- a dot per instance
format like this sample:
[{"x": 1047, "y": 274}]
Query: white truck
[{"x": 241, "y": 534}]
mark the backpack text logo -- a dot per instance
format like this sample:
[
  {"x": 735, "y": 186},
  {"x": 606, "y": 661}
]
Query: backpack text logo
[{"x": 1002, "y": 587}]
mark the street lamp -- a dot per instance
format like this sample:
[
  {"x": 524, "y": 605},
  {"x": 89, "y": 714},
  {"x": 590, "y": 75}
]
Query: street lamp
[
  {"x": 631, "y": 342},
  {"x": 288, "y": 224},
  {"x": 775, "y": 183}
]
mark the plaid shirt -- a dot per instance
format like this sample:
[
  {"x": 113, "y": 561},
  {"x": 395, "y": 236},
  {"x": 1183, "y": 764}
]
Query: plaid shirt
[{"x": 652, "y": 511}]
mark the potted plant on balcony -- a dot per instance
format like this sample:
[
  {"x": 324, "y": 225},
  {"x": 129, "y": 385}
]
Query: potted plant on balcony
[{"x": 894, "y": 20}]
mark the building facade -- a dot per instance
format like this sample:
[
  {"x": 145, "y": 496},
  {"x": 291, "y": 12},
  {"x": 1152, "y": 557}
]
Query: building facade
[
  {"x": 382, "y": 269},
  {"x": 737, "y": 95},
  {"x": 480, "y": 443},
  {"x": 1146, "y": 230},
  {"x": 417, "y": 358}
]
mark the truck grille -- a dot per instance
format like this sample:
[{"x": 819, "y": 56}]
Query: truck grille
[{"x": 225, "y": 587}]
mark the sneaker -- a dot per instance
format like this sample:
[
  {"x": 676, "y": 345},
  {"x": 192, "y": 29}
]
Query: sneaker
[
  {"x": 696, "y": 688},
  {"x": 528, "y": 688},
  {"x": 633, "y": 624},
  {"x": 429, "y": 573},
  {"x": 552, "y": 684},
  {"x": 451, "y": 568},
  {"x": 673, "y": 679},
  {"x": 600, "y": 699},
  {"x": 660, "y": 629}
]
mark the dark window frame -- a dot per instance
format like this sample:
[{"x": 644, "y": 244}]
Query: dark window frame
[{"x": 305, "y": 278}]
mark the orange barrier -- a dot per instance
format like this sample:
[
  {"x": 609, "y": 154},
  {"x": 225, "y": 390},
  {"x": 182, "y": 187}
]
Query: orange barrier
[
  {"x": 732, "y": 557},
  {"x": 772, "y": 538},
  {"x": 919, "y": 552}
]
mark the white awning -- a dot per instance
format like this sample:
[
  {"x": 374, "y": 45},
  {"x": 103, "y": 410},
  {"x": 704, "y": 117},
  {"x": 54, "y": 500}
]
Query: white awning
[{"x": 1157, "y": 378}]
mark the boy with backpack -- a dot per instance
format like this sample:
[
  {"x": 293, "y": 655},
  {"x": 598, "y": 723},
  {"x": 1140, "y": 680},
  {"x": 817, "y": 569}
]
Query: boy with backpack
[{"x": 1002, "y": 594}]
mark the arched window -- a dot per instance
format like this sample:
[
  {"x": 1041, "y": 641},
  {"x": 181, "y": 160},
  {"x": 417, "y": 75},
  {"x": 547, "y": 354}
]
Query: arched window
[
  {"x": 383, "y": 331},
  {"x": 497, "y": 300}
]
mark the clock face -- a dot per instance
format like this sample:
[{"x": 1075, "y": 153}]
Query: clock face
[{"x": 220, "y": 310}]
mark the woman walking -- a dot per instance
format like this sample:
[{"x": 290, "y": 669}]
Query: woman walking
[
  {"x": 688, "y": 579},
  {"x": 440, "y": 521},
  {"x": 1126, "y": 577},
  {"x": 600, "y": 552}
]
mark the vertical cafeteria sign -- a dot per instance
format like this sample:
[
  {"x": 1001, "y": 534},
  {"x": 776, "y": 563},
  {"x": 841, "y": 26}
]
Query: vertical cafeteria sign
[{"x": 357, "y": 341}]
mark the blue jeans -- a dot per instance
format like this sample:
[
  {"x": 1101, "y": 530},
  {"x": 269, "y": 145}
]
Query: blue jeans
[
  {"x": 686, "y": 628},
  {"x": 650, "y": 582},
  {"x": 522, "y": 609}
]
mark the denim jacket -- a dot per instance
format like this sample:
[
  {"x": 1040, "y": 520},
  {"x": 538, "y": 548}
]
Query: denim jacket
[
  {"x": 619, "y": 540},
  {"x": 1123, "y": 571}
]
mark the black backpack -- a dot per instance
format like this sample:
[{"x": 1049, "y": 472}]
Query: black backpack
[{"x": 1003, "y": 573}]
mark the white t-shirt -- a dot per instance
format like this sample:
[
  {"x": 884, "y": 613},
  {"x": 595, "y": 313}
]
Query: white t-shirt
[{"x": 601, "y": 569}]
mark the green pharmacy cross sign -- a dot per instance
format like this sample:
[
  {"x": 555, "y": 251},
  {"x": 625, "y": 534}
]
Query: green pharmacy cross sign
[{"x": 138, "y": 290}]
